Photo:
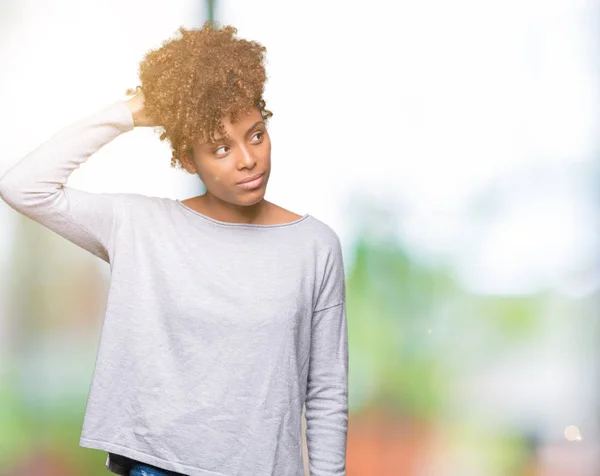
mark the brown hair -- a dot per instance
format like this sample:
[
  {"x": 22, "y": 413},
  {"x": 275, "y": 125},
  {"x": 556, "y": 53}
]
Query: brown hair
[{"x": 196, "y": 78}]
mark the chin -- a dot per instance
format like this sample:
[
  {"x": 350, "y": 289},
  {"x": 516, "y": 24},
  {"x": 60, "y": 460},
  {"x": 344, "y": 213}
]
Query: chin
[{"x": 254, "y": 197}]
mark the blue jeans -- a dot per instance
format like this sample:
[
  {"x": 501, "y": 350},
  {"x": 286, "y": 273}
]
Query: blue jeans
[{"x": 143, "y": 469}]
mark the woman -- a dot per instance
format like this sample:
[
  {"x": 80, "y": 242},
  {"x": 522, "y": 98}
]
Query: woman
[{"x": 226, "y": 313}]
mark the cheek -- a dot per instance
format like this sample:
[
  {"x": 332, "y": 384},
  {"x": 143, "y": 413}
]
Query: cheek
[
  {"x": 204, "y": 171},
  {"x": 213, "y": 177}
]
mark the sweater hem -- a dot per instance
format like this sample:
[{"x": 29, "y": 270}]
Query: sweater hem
[{"x": 115, "y": 468}]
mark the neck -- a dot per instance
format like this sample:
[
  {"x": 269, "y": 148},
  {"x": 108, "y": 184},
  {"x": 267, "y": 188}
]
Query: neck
[{"x": 218, "y": 209}]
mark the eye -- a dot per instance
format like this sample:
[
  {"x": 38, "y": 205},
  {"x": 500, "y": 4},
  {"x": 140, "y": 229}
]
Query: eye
[
  {"x": 222, "y": 147},
  {"x": 260, "y": 133}
]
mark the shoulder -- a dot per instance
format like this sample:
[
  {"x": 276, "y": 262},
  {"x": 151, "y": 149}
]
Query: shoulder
[
  {"x": 139, "y": 207},
  {"x": 323, "y": 231},
  {"x": 323, "y": 237},
  {"x": 149, "y": 202},
  {"x": 330, "y": 265}
]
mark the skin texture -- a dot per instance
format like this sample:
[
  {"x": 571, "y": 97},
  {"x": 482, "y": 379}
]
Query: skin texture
[{"x": 205, "y": 84}]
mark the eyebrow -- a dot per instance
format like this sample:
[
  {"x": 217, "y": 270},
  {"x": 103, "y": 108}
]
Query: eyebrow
[{"x": 226, "y": 139}]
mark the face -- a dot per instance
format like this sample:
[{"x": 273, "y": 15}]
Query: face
[{"x": 243, "y": 152}]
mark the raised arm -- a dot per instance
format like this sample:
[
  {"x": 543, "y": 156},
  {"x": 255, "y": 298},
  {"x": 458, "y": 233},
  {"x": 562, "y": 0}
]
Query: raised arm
[
  {"x": 36, "y": 185},
  {"x": 327, "y": 387}
]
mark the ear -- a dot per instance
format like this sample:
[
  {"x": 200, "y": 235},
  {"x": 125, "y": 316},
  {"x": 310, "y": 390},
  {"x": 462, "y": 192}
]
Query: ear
[{"x": 187, "y": 161}]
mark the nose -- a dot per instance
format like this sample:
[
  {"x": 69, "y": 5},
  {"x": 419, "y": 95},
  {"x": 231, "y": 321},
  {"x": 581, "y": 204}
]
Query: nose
[{"x": 247, "y": 159}]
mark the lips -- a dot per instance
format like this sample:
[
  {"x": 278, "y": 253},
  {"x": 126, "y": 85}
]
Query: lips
[
  {"x": 250, "y": 184},
  {"x": 250, "y": 179}
]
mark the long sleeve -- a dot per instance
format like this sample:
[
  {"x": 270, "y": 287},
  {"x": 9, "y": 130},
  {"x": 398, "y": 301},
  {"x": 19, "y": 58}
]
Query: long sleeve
[
  {"x": 327, "y": 386},
  {"x": 36, "y": 185}
]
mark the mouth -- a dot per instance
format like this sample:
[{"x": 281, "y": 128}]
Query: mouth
[{"x": 252, "y": 182}]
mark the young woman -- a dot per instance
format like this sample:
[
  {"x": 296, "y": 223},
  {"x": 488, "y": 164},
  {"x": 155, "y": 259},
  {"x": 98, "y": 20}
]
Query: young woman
[{"x": 226, "y": 313}]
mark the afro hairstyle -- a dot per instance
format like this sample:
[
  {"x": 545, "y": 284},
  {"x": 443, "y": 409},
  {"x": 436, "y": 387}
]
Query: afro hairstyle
[{"x": 196, "y": 78}]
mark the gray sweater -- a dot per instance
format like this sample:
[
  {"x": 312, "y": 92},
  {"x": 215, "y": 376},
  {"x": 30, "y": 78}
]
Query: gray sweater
[{"x": 215, "y": 334}]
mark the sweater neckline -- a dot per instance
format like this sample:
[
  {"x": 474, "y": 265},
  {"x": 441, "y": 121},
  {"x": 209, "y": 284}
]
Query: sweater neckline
[{"x": 247, "y": 225}]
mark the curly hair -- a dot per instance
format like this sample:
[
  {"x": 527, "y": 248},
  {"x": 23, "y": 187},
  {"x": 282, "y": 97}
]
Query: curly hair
[{"x": 197, "y": 77}]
